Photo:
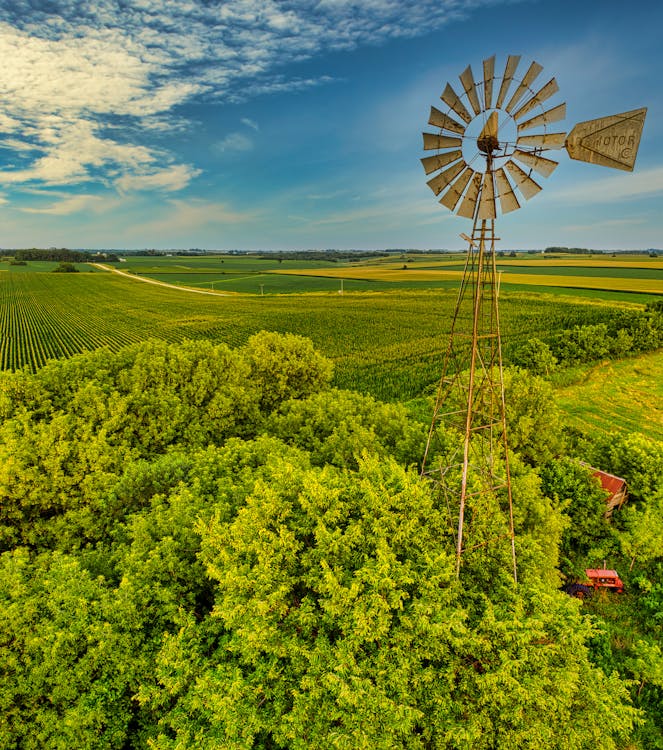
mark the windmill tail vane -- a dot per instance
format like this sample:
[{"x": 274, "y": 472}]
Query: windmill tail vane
[{"x": 489, "y": 148}]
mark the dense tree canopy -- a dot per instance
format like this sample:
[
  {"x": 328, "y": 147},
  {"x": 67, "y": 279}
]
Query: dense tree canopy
[{"x": 205, "y": 547}]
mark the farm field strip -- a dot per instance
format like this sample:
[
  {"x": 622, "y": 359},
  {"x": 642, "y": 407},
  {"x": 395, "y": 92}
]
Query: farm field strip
[
  {"x": 645, "y": 262},
  {"x": 592, "y": 271},
  {"x": 544, "y": 263},
  {"x": 646, "y": 286}
]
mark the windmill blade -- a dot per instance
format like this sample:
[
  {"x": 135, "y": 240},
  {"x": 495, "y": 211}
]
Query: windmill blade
[
  {"x": 552, "y": 115},
  {"x": 488, "y": 78},
  {"x": 440, "y": 181},
  {"x": 432, "y": 141},
  {"x": 469, "y": 203},
  {"x": 527, "y": 186},
  {"x": 450, "y": 97},
  {"x": 532, "y": 72},
  {"x": 544, "y": 93},
  {"x": 543, "y": 140},
  {"x": 452, "y": 196},
  {"x": 511, "y": 66},
  {"x": 540, "y": 164},
  {"x": 487, "y": 209},
  {"x": 467, "y": 79},
  {"x": 508, "y": 200},
  {"x": 440, "y": 120},
  {"x": 433, "y": 163}
]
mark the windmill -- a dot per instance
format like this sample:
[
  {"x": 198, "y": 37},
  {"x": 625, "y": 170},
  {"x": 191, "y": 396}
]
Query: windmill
[{"x": 489, "y": 152}]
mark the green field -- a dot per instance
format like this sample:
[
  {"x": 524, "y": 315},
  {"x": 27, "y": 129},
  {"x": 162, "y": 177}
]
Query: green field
[
  {"x": 385, "y": 337},
  {"x": 388, "y": 343},
  {"x": 44, "y": 266},
  {"x": 626, "y": 395}
]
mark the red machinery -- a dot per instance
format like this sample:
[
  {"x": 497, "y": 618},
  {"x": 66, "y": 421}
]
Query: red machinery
[
  {"x": 600, "y": 578},
  {"x": 597, "y": 579}
]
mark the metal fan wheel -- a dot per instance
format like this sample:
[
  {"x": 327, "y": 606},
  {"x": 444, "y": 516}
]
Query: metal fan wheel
[{"x": 491, "y": 138}]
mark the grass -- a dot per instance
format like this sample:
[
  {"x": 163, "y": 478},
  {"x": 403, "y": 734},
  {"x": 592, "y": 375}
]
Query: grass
[{"x": 625, "y": 395}]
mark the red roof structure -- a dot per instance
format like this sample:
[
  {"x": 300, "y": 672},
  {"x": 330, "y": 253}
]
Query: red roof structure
[{"x": 614, "y": 486}]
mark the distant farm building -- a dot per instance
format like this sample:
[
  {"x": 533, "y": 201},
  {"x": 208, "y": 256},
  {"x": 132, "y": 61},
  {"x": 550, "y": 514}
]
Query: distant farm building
[{"x": 614, "y": 486}]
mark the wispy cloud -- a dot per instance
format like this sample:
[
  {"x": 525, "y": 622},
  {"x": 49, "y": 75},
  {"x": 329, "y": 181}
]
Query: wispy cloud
[
  {"x": 234, "y": 142},
  {"x": 167, "y": 180},
  {"x": 250, "y": 124},
  {"x": 71, "y": 71},
  {"x": 182, "y": 216},
  {"x": 70, "y": 205},
  {"x": 614, "y": 187}
]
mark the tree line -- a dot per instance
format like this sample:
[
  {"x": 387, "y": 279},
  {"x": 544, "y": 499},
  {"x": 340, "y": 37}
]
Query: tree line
[
  {"x": 626, "y": 332},
  {"x": 62, "y": 254}
]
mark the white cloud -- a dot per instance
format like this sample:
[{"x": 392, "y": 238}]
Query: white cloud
[
  {"x": 70, "y": 73},
  {"x": 276, "y": 85},
  {"x": 70, "y": 150},
  {"x": 234, "y": 142},
  {"x": 70, "y": 205},
  {"x": 250, "y": 123},
  {"x": 168, "y": 180}
]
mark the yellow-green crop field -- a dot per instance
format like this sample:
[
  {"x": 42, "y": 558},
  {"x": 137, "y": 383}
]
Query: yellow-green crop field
[
  {"x": 389, "y": 343},
  {"x": 398, "y": 274},
  {"x": 620, "y": 395}
]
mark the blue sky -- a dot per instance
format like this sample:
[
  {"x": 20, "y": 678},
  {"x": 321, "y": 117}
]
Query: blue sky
[{"x": 289, "y": 125}]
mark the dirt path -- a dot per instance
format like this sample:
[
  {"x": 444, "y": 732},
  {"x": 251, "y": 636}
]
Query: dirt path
[{"x": 104, "y": 267}]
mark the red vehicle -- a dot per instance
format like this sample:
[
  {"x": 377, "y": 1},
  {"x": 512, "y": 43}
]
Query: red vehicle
[{"x": 597, "y": 578}]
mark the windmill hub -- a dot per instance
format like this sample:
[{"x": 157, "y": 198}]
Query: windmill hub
[
  {"x": 487, "y": 141},
  {"x": 488, "y": 144}
]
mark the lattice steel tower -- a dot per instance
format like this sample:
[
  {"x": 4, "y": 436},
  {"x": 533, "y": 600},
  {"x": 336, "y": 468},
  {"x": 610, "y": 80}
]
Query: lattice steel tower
[{"x": 487, "y": 148}]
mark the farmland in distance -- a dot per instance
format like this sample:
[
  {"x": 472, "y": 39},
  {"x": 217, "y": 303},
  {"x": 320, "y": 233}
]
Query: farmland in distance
[{"x": 601, "y": 276}]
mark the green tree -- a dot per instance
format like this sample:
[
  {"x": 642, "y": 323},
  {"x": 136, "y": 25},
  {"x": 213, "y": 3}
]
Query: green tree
[
  {"x": 583, "y": 344},
  {"x": 65, "y": 674},
  {"x": 65, "y": 268},
  {"x": 579, "y": 495},
  {"x": 171, "y": 580},
  {"x": 535, "y": 355},
  {"x": 336, "y": 426},
  {"x": 285, "y": 366},
  {"x": 641, "y": 537},
  {"x": 72, "y": 428},
  {"x": 534, "y": 425},
  {"x": 337, "y": 622},
  {"x": 636, "y": 458}
]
